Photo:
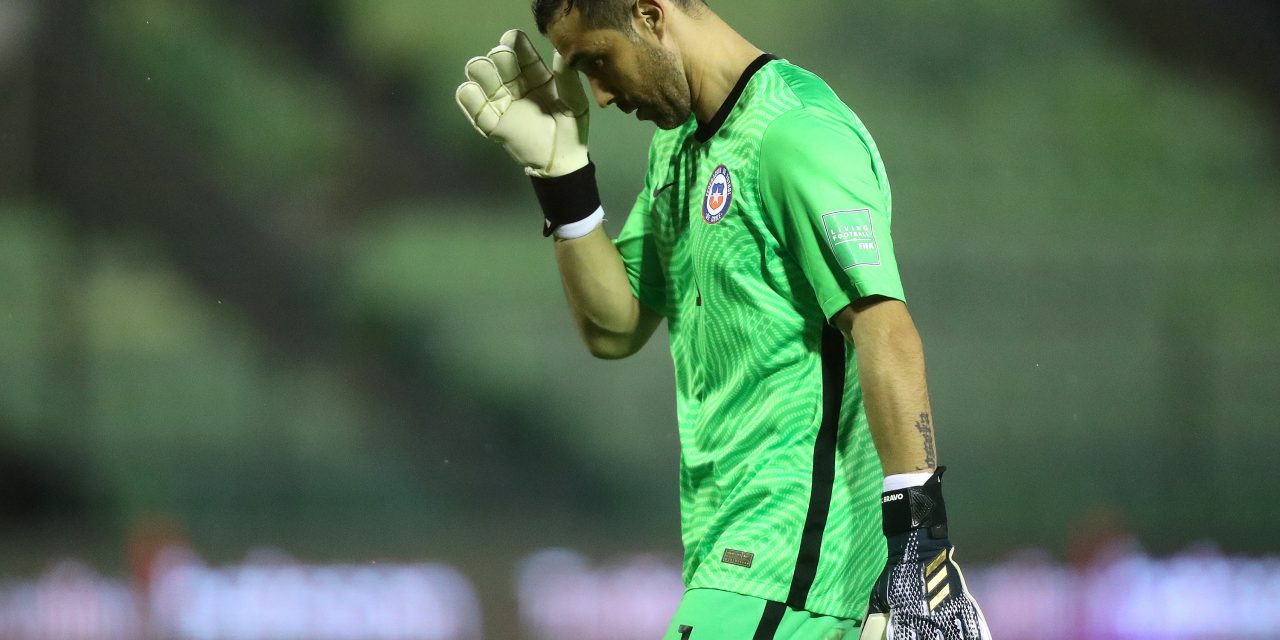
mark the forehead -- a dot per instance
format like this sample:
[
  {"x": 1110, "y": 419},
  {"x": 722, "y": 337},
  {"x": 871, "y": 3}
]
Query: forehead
[{"x": 570, "y": 36}]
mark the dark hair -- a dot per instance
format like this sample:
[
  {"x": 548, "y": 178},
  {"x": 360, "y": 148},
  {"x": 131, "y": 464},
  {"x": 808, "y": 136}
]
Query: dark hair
[{"x": 598, "y": 14}]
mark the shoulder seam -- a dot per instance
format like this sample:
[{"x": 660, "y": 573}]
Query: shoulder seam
[
  {"x": 802, "y": 103},
  {"x": 760, "y": 188},
  {"x": 764, "y": 135}
]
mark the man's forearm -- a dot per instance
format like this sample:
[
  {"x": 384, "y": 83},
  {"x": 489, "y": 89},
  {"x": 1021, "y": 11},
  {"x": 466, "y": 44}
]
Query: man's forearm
[
  {"x": 599, "y": 295},
  {"x": 897, "y": 405},
  {"x": 891, "y": 370}
]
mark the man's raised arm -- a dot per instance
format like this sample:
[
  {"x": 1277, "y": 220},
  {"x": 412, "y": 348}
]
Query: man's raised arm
[
  {"x": 540, "y": 116},
  {"x": 612, "y": 322}
]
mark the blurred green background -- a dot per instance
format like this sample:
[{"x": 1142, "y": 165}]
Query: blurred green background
[{"x": 261, "y": 282}]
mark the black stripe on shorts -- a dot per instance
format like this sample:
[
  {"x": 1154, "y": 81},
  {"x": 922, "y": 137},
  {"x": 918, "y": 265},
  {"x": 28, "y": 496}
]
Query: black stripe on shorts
[{"x": 769, "y": 620}]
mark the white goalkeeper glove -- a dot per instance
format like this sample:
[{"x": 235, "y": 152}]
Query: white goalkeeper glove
[
  {"x": 920, "y": 594},
  {"x": 539, "y": 116}
]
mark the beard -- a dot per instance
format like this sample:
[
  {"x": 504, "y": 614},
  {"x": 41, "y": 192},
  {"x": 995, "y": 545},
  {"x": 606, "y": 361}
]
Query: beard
[{"x": 670, "y": 104}]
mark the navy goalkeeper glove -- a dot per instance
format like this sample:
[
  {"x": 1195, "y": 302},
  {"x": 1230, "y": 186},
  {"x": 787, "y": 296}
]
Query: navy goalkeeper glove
[{"x": 920, "y": 594}]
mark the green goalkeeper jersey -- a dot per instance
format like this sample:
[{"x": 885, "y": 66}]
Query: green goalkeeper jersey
[{"x": 752, "y": 231}]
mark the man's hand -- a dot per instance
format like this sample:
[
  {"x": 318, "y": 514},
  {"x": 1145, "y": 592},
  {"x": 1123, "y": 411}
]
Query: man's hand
[
  {"x": 921, "y": 594},
  {"x": 539, "y": 116}
]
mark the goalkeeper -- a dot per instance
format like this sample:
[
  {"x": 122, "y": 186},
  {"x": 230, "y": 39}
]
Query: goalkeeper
[{"x": 810, "y": 494}]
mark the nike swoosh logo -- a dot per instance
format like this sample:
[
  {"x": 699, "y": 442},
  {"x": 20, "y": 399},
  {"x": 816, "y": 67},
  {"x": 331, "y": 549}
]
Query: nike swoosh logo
[{"x": 657, "y": 192}]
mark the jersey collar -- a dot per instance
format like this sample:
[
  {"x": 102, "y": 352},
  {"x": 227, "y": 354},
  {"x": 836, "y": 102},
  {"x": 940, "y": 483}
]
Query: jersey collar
[{"x": 705, "y": 131}]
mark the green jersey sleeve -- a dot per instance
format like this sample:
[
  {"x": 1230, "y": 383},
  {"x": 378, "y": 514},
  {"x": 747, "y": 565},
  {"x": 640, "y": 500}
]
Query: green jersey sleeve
[
  {"x": 639, "y": 251},
  {"x": 829, "y": 206}
]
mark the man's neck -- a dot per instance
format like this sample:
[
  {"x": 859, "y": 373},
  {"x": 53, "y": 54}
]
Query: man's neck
[{"x": 714, "y": 59}]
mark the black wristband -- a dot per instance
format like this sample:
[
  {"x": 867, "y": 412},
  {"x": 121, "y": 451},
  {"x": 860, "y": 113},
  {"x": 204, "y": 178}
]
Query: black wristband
[
  {"x": 916, "y": 507},
  {"x": 567, "y": 198}
]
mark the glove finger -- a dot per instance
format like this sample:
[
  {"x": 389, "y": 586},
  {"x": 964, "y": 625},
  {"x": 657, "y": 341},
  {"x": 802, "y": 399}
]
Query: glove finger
[
  {"x": 504, "y": 60},
  {"x": 483, "y": 72},
  {"x": 984, "y": 633},
  {"x": 569, "y": 87},
  {"x": 874, "y": 627},
  {"x": 532, "y": 66},
  {"x": 471, "y": 98},
  {"x": 974, "y": 617}
]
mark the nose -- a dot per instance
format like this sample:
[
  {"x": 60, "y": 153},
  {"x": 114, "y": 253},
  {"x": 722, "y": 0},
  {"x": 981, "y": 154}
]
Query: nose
[{"x": 603, "y": 97}]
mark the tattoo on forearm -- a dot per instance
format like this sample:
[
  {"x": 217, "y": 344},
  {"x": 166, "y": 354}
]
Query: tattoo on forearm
[{"x": 925, "y": 426}]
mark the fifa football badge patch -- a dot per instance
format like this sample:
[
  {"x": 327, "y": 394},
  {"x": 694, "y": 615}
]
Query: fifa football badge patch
[
  {"x": 715, "y": 203},
  {"x": 851, "y": 237}
]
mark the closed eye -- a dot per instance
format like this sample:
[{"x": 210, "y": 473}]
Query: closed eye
[{"x": 587, "y": 62}]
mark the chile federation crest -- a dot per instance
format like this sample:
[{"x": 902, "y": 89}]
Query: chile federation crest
[{"x": 715, "y": 202}]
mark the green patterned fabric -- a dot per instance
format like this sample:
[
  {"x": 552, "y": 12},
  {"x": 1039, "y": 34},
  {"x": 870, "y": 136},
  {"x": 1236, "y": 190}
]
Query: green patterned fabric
[
  {"x": 711, "y": 614},
  {"x": 747, "y": 238}
]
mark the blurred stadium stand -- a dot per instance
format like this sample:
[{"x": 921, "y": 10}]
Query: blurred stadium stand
[
  {"x": 1122, "y": 594},
  {"x": 261, "y": 288}
]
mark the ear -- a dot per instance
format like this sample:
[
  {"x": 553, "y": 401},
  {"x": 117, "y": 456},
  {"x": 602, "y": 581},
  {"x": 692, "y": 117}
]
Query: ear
[{"x": 650, "y": 15}]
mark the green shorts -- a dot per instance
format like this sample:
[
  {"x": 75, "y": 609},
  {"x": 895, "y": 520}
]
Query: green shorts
[{"x": 710, "y": 614}]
